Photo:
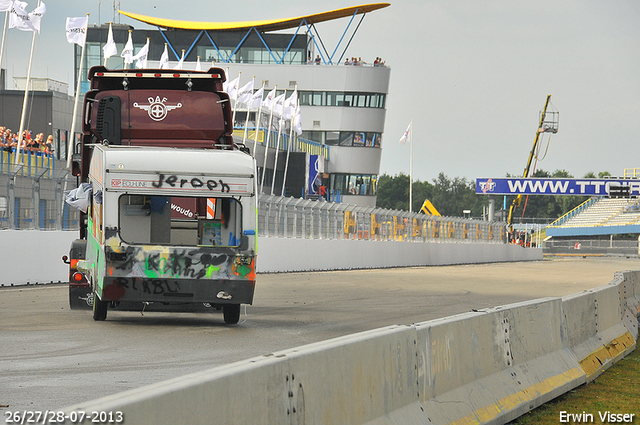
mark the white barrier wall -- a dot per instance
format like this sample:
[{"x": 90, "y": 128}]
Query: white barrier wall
[
  {"x": 35, "y": 256},
  {"x": 485, "y": 367},
  {"x": 292, "y": 254}
]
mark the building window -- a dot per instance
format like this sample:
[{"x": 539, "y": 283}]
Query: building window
[
  {"x": 354, "y": 184},
  {"x": 342, "y": 99}
]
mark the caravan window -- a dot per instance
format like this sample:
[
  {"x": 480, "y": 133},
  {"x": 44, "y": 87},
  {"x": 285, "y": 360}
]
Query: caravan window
[{"x": 166, "y": 220}]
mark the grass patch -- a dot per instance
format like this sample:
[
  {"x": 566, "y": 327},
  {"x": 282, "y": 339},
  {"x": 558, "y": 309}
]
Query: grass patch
[{"x": 617, "y": 390}]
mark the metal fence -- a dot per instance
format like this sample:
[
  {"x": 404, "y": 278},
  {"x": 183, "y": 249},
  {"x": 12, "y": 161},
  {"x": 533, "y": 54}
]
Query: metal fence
[
  {"x": 304, "y": 218},
  {"x": 33, "y": 202},
  {"x": 32, "y": 197},
  {"x": 583, "y": 246}
]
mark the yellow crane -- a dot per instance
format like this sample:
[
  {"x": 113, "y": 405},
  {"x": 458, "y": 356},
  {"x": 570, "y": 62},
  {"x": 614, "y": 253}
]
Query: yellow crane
[{"x": 545, "y": 126}]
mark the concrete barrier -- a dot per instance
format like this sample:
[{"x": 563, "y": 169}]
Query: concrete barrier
[
  {"x": 38, "y": 255},
  {"x": 629, "y": 282},
  {"x": 495, "y": 365},
  {"x": 484, "y": 367},
  {"x": 293, "y": 254},
  {"x": 366, "y": 377},
  {"x": 33, "y": 256},
  {"x": 596, "y": 333}
]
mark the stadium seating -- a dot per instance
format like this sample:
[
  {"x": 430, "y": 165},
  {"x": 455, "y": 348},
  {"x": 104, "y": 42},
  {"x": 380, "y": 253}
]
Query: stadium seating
[{"x": 602, "y": 212}]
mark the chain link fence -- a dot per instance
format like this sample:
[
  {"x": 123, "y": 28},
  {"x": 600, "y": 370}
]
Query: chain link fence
[
  {"x": 30, "y": 201},
  {"x": 304, "y": 218},
  {"x": 610, "y": 246},
  {"x": 32, "y": 195}
]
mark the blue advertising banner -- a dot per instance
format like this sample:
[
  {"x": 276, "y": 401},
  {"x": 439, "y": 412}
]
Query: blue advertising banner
[
  {"x": 550, "y": 186},
  {"x": 315, "y": 167}
]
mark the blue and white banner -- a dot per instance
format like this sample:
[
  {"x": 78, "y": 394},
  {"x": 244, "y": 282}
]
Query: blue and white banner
[{"x": 550, "y": 186}]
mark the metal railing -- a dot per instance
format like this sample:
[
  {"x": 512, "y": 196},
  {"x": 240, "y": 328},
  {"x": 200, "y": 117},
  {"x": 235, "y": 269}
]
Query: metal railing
[
  {"x": 32, "y": 197},
  {"x": 38, "y": 203},
  {"x": 310, "y": 219},
  {"x": 298, "y": 144}
]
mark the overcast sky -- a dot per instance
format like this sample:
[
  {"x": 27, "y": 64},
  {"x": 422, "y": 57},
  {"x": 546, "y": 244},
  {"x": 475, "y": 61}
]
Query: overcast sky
[{"x": 473, "y": 75}]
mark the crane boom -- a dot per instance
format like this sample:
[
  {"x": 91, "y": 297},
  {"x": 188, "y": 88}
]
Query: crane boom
[{"x": 541, "y": 129}]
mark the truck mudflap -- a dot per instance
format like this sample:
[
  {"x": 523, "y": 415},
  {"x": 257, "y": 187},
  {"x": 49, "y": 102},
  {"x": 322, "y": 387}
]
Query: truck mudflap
[
  {"x": 168, "y": 291},
  {"x": 80, "y": 293}
]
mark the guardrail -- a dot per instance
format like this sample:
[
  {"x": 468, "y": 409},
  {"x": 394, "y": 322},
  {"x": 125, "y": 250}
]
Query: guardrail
[
  {"x": 484, "y": 367},
  {"x": 305, "y": 218}
]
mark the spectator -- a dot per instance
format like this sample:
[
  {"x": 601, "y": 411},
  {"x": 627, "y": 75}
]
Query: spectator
[
  {"x": 318, "y": 60},
  {"x": 346, "y": 61},
  {"x": 37, "y": 146},
  {"x": 48, "y": 145}
]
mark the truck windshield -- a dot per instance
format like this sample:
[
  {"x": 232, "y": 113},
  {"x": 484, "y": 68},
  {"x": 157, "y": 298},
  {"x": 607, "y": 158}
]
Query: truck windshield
[{"x": 166, "y": 220}]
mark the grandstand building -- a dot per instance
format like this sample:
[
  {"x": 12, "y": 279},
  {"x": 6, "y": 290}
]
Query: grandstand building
[
  {"x": 598, "y": 226},
  {"x": 343, "y": 107}
]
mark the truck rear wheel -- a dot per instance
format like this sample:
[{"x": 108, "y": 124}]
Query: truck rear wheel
[
  {"x": 99, "y": 308},
  {"x": 231, "y": 313}
]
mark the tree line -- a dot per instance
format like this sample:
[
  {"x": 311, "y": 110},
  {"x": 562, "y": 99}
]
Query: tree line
[{"x": 451, "y": 196}]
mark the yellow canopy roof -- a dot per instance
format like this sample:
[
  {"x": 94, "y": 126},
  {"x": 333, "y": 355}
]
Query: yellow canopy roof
[{"x": 262, "y": 26}]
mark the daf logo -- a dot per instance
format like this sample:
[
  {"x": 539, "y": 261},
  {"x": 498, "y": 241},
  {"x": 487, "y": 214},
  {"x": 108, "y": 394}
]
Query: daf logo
[{"x": 157, "y": 109}]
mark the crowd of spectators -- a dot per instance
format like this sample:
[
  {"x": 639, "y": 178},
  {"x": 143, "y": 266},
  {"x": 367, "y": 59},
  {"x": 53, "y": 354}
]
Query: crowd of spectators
[
  {"x": 358, "y": 61},
  {"x": 353, "y": 61},
  {"x": 37, "y": 145}
]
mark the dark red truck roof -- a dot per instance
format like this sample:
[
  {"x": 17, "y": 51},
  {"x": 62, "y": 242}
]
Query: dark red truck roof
[{"x": 158, "y": 107}]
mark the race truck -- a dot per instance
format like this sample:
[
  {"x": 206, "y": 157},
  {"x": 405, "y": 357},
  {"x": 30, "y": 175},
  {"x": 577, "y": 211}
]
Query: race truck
[{"x": 168, "y": 201}]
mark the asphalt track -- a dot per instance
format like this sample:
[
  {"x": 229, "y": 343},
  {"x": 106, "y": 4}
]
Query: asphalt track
[{"x": 52, "y": 357}]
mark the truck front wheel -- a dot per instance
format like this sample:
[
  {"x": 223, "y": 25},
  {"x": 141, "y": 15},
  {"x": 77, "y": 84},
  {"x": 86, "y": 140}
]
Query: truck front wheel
[
  {"x": 231, "y": 313},
  {"x": 99, "y": 308}
]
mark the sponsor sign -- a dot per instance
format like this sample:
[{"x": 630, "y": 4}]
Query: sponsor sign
[
  {"x": 551, "y": 186},
  {"x": 197, "y": 185}
]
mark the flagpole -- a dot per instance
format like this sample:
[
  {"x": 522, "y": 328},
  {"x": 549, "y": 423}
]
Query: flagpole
[
  {"x": 246, "y": 121},
  {"x": 255, "y": 137},
  {"x": 26, "y": 96},
  {"x": 72, "y": 140},
  {"x": 411, "y": 167},
  {"x": 4, "y": 36},
  {"x": 235, "y": 102},
  {"x": 286, "y": 162},
  {"x": 266, "y": 145},
  {"x": 275, "y": 163}
]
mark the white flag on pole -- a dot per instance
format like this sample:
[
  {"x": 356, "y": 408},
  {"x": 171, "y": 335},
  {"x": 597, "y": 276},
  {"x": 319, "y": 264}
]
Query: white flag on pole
[
  {"x": 232, "y": 87},
  {"x": 20, "y": 19},
  {"x": 180, "y": 62},
  {"x": 290, "y": 105},
  {"x": 296, "y": 122},
  {"x": 36, "y": 16},
  {"x": 164, "y": 59},
  {"x": 268, "y": 101},
  {"x": 141, "y": 57},
  {"x": 245, "y": 94},
  {"x": 77, "y": 30},
  {"x": 278, "y": 104},
  {"x": 256, "y": 99},
  {"x": 5, "y": 5},
  {"x": 405, "y": 136},
  {"x": 127, "y": 52},
  {"x": 110, "y": 48}
]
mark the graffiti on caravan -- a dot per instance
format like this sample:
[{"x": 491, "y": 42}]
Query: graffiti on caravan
[
  {"x": 190, "y": 183},
  {"x": 549, "y": 186}
]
